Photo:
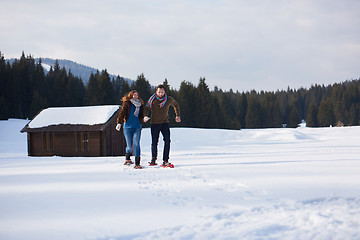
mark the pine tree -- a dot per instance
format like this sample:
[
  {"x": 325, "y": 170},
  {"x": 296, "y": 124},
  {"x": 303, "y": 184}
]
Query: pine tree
[
  {"x": 166, "y": 86},
  {"x": 283, "y": 99},
  {"x": 294, "y": 117},
  {"x": 3, "y": 75},
  {"x": 271, "y": 111},
  {"x": 186, "y": 101},
  {"x": 121, "y": 88},
  {"x": 241, "y": 110},
  {"x": 4, "y": 88},
  {"x": 75, "y": 90},
  {"x": 105, "y": 91},
  {"x": 354, "y": 114},
  {"x": 227, "y": 109},
  {"x": 57, "y": 79},
  {"x": 125, "y": 88},
  {"x": 37, "y": 104},
  {"x": 311, "y": 119},
  {"x": 22, "y": 79},
  {"x": 169, "y": 90},
  {"x": 143, "y": 87},
  {"x": 4, "y": 115},
  {"x": 339, "y": 107},
  {"x": 203, "y": 102},
  {"x": 325, "y": 115},
  {"x": 92, "y": 89},
  {"x": 254, "y": 113},
  {"x": 352, "y": 94}
]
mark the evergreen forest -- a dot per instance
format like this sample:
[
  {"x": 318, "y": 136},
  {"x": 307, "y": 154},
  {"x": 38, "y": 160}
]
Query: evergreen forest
[{"x": 25, "y": 90}]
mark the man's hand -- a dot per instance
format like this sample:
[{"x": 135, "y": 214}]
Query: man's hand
[
  {"x": 146, "y": 118},
  {"x": 178, "y": 119}
]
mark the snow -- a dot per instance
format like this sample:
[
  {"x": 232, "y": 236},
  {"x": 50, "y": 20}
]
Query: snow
[
  {"x": 301, "y": 183},
  {"x": 47, "y": 67},
  {"x": 89, "y": 115}
]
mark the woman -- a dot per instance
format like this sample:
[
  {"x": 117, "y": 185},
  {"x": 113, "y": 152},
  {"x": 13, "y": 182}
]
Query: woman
[{"x": 131, "y": 116}]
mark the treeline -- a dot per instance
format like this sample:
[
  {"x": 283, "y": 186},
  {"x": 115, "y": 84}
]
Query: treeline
[
  {"x": 26, "y": 89},
  {"x": 319, "y": 106}
]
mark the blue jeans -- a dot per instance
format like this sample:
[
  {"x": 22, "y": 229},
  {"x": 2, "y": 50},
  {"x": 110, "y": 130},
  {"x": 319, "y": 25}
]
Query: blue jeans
[
  {"x": 155, "y": 132},
  {"x": 132, "y": 137}
]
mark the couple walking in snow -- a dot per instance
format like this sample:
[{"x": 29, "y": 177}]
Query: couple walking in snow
[{"x": 133, "y": 113}]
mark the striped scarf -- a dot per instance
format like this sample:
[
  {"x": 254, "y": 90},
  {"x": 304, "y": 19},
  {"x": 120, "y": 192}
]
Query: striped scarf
[{"x": 162, "y": 100}]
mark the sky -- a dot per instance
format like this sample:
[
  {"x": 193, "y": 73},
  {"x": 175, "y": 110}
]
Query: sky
[{"x": 235, "y": 44}]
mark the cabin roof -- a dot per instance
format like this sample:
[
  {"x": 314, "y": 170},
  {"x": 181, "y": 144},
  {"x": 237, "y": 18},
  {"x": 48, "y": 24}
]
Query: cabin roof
[{"x": 88, "y": 118}]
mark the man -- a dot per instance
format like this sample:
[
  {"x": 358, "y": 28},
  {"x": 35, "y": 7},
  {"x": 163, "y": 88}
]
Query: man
[{"x": 159, "y": 104}]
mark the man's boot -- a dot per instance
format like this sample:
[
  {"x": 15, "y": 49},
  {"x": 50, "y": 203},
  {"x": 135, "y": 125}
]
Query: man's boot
[{"x": 153, "y": 161}]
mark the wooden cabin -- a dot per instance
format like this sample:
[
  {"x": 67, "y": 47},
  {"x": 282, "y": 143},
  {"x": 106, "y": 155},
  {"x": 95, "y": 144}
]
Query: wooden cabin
[{"x": 75, "y": 131}]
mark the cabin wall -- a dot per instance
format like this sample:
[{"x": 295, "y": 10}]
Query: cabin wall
[
  {"x": 115, "y": 143},
  {"x": 35, "y": 145},
  {"x": 95, "y": 144},
  {"x": 75, "y": 144},
  {"x": 71, "y": 144}
]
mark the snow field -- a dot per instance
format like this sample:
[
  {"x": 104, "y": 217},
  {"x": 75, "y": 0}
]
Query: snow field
[{"x": 251, "y": 184}]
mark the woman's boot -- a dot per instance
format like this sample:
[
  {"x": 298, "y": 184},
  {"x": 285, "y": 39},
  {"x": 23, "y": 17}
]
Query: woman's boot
[
  {"x": 137, "y": 162},
  {"x": 127, "y": 159}
]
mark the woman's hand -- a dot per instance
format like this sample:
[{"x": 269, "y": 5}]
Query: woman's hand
[{"x": 146, "y": 118}]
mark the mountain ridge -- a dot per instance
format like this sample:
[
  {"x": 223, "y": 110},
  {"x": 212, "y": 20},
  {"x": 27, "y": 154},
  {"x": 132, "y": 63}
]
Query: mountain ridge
[{"x": 79, "y": 70}]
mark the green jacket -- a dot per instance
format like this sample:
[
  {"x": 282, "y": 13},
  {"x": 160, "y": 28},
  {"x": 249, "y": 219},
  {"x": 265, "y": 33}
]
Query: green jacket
[{"x": 161, "y": 115}]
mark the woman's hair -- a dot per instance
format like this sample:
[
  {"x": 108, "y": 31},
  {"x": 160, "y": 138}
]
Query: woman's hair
[{"x": 130, "y": 95}]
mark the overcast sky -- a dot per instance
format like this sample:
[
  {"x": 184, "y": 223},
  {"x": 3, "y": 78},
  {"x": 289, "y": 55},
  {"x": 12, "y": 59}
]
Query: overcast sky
[{"x": 239, "y": 44}]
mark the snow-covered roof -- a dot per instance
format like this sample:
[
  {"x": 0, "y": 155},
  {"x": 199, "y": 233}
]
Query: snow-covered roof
[{"x": 89, "y": 115}]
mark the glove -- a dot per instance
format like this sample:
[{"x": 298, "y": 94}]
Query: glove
[
  {"x": 146, "y": 118},
  {"x": 118, "y": 126}
]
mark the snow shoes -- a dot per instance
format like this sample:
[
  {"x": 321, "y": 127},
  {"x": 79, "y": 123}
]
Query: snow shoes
[
  {"x": 153, "y": 162},
  {"x": 166, "y": 164},
  {"x": 128, "y": 162}
]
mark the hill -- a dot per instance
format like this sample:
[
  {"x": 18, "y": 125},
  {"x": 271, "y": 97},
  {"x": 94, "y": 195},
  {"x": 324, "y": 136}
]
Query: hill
[{"x": 77, "y": 69}]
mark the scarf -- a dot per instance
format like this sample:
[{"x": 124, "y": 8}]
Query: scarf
[
  {"x": 137, "y": 105},
  {"x": 162, "y": 100}
]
